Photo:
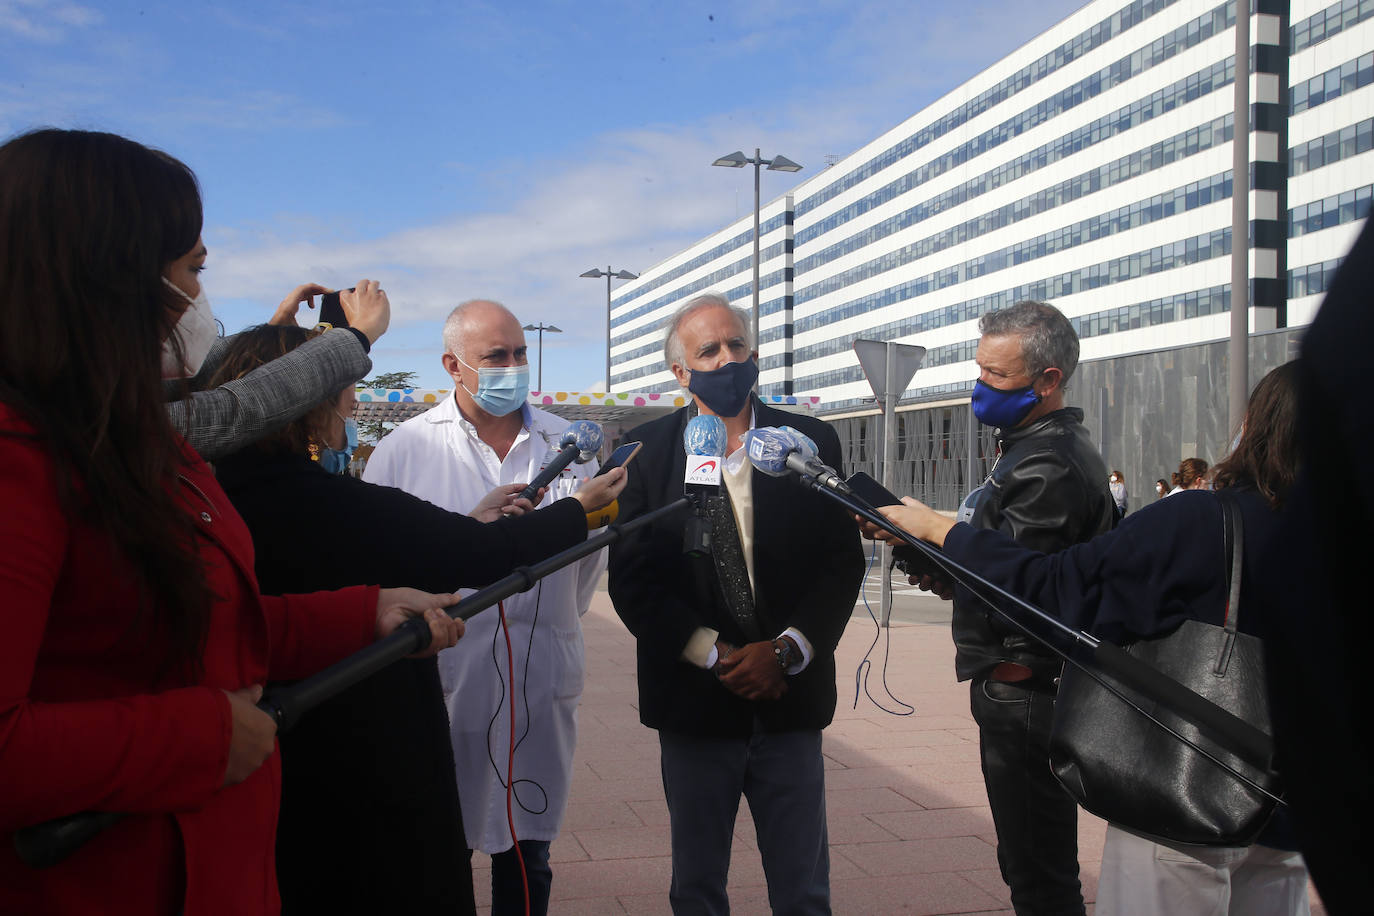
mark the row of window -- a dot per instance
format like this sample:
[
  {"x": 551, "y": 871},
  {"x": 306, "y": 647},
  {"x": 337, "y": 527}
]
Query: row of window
[
  {"x": 1332, "y": 84},
  {"x": 734, "y": 296},
  {"x": 1109, "y": 28},
  {"x": 1322, "y": 25},
  {"x": 1350, "y": 140},
  {"x": 1138, "y": 213},
  {"x": 1179, "y": 307},
  {"x": 1093, "y": 276},
  {"x": 739, "y": 241},
  {"x": 1312, "y": 279},
  {"x": 704, "y": 282},
  {"x": 1185, "y": 90},
  {"x": 1331, "y": 211},
  {"x": 1155, "y": 156},
  {"x": 1109, "y": 77}
]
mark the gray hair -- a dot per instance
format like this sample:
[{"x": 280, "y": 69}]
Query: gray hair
[
  {"x": 1047, "y": 338},
  {"x": 672, "y": 344},
  {"x": 456, "y": 325}
]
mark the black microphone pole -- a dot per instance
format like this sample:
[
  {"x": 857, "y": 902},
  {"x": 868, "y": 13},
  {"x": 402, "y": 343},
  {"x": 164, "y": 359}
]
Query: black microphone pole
[
  {"x": 46, "y": 844},
  {"x": 566, "y": 455},
  {"x": 1240, "y": 737}
]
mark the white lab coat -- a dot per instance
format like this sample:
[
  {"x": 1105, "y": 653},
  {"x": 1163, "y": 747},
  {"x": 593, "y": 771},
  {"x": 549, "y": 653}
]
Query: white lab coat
[{"x": 438, "y": 457}]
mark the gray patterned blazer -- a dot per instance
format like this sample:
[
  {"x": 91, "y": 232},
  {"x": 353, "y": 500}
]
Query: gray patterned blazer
[{"x": 227, "y": 418}]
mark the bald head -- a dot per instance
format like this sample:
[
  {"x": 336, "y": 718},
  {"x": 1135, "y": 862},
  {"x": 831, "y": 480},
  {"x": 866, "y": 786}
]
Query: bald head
[{"x": 472, "y": 319}]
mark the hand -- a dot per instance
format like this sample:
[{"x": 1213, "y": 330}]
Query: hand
[
  {"x": 397, "y": 605},
  {"x": 599, "y": 492},
  {"x": 502, "y": 502},
  {"x": 752, "y": 672},
  {"x": 252, "y": 737},
  {"x": 286, "y": 312},
  {"x": 913, "y": 517},
  {"x": 367, "y": 308},
  {"x": 939, "y": 587}
]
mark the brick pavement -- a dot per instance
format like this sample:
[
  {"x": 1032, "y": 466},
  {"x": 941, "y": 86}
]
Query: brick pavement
[{"x": 909, "y": 825}]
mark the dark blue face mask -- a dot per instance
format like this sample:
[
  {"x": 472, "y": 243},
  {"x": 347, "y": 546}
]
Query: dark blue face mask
[
  {"x": 725, "y": 391},
  {"x": 1005, "y": 409}
]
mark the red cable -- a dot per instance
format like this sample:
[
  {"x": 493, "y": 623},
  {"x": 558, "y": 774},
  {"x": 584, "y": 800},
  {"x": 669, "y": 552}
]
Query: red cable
[{"x": 510, "y": 758}]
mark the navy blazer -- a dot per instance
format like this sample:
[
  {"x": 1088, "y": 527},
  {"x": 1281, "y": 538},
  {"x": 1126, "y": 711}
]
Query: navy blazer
[{"x": 808, "y": 564}]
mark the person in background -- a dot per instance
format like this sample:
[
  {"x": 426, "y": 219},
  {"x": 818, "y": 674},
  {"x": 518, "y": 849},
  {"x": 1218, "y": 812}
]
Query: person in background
[
  {"x": 483, "y": 437},
  {"x": 1161, "y": 488},
  {"x": 1117, "y": 485},
  {"x": 1191, "y": 475},
  {"x": 136, "y": 641},
  {"x": 1166, "y": 564},
  {"x": 383, "y": 745}
]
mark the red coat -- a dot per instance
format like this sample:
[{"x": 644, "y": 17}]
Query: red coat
[{"x": 80, "y": 731}]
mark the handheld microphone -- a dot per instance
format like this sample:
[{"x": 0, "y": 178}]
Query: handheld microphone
[
  {"x": 580, "y": 442},
  {"x": 704, "y": 441},
  {"x": 777, "y": 450}
]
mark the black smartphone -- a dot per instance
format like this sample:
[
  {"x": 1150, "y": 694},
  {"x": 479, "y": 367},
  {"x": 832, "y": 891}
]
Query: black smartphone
[
  {"x": 872, "y": 492},
  {"x": 620, "y": 457},
  {"x": 331, "y": 310},
  {"x": 905, "y": 557}
]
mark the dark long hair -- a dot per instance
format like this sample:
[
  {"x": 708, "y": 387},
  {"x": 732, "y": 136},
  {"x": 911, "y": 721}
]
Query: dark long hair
[
  {"x": 256, "y": 347},
  {"x": 1266, "y": 457},
  {"x": 88, "y": 222}
]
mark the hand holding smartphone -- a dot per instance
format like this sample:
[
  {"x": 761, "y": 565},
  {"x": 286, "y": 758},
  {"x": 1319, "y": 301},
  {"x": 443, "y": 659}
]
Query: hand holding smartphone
[{"x": 621, "y": 457}]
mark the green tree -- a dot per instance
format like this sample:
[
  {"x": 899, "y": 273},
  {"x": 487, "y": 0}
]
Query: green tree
[{"x": 373, "y": 430}]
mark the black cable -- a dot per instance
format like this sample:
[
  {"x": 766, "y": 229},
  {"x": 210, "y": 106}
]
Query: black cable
[{"x": 861, "y": 673}]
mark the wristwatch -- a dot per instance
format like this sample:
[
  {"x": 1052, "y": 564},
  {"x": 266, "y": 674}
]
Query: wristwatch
[{"x": 784, "y": 653}]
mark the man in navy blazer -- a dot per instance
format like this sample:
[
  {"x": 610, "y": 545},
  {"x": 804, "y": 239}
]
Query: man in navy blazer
[{"x": 739, "y": 704}]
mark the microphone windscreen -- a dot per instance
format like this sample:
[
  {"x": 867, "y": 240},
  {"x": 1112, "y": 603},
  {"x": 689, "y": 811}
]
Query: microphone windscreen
[
  {"x": 805, "y": 444},
  {"x": 768, "y": 448},
  {"x": 586, "y": 435},
  {"x": 704, "y": 435}
]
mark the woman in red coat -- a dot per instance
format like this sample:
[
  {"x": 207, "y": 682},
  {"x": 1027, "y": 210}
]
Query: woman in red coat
[{"x": 134, "y": 638}]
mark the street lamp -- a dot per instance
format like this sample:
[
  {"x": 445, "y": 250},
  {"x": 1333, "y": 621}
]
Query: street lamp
[
  {"x": 594, "y": 274},
  {"x": 737, "y": 160},
  {"x": 541, "y": 328}
]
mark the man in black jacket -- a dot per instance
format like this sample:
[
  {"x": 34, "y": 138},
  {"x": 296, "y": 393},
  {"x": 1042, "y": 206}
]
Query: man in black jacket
[
  {"x": 736, "y": 650},
  {"x": 1048, "y": 490}
]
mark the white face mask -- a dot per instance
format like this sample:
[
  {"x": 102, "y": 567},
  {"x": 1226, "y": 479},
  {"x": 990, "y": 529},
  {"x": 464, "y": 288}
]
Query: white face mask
[{"x": 197, "y": 332}]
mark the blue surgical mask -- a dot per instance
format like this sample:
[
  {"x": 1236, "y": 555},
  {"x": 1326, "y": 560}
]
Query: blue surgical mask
[
  {"x": 335, "y": 460},
  {"x": 500, "y": 389},
  {"x": 725, "y": 391},
  {"x": 1002, "y": 408}
]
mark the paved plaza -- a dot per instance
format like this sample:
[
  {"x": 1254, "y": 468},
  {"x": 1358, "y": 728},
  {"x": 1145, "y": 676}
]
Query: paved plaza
[{"x": 909, "y": 825}]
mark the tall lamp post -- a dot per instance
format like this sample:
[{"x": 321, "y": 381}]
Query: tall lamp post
[
  {"x": 737, "y": 160},
  {"x": 594, "y": 274},
  {"x": 541, "y": 328}
]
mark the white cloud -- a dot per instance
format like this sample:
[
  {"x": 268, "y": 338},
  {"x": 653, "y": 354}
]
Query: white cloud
[
  {"x": 45, "y": 21},
  {"x": 634, "y": 197}
]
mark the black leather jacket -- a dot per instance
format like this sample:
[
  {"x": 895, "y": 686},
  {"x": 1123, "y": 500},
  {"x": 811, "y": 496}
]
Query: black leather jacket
[{"x": 1048, "y": 490}]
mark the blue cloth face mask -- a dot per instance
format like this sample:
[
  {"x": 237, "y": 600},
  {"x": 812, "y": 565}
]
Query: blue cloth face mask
[
  {"x": 500, "y": 389},
  {"x": 725, "y": 391},
  {"x": 335, "y": 460},
  {"x": 996, "y": 407}
]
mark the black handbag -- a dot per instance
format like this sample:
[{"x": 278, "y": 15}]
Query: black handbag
[{"x": 1111, "y": 744}]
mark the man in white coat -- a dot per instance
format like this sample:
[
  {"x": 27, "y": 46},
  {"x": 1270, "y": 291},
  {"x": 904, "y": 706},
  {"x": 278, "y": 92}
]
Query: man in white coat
[{"x": 453, "y": 455}]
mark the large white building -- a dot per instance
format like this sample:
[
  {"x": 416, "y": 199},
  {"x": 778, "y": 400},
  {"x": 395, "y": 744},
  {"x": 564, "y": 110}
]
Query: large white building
[{"x": 1090, "y": 168}]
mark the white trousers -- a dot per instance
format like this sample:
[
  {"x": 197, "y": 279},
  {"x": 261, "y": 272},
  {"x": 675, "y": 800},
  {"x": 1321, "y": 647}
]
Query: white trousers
[{"x": 1144, "y": 878}]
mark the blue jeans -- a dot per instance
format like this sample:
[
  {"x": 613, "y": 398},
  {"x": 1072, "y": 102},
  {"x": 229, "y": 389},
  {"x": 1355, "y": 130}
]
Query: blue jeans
[
  {"x": 783, "y": 778},
  {"x": 507, "y": 890}
]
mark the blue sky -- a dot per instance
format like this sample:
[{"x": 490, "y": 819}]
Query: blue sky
[{"x": 457, "y": 150}]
